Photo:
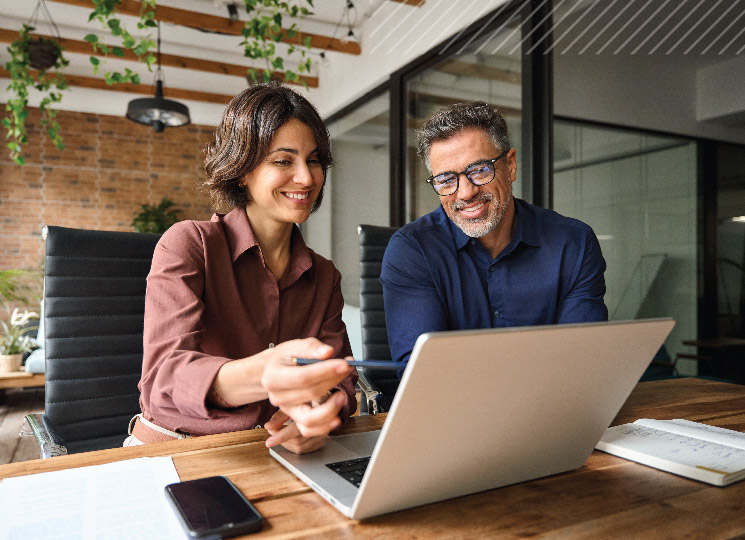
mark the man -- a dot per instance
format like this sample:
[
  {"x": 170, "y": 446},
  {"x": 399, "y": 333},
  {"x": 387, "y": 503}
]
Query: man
[{"x": 484, "y": 259}]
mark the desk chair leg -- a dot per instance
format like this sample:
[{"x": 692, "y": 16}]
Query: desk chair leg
[
  {"x": 50, "y": 444},
  {"x": 371, "y": 394}
]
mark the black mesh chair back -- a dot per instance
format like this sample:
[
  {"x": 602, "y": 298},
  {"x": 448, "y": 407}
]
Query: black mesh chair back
[
  {"x": 373, "y": 241},
  {"x": 94, "y": 305}
]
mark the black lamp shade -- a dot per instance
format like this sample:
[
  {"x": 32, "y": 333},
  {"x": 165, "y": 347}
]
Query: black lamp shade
[{"x": 158, "y": 111}]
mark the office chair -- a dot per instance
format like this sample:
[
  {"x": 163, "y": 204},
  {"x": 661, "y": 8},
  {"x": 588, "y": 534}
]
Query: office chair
[
  {"x": 379, "y": 386},
  {"x": 94, "y": 306}
]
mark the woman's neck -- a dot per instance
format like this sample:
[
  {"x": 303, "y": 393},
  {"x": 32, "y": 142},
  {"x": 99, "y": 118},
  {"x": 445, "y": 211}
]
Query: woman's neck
[{"x": 274, "y": 240}]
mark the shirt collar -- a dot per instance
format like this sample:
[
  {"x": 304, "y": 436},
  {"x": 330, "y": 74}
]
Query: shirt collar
[
  {"x": 238, "y": 231},
  {"x": 525, "y": 228},
  {"x": 241, "y": 238}
]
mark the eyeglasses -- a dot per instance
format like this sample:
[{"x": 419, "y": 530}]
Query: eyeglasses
[{"x": 478, "y": 173}]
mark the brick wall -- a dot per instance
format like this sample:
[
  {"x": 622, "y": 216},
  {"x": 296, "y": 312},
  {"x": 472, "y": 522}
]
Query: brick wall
[{"x": 110, "y": 167}]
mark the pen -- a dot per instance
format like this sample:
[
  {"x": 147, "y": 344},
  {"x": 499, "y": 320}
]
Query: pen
[{"x": 376, "y": 364}]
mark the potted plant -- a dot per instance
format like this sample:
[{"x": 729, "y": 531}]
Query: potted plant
[
  {"x": 156, "y": 218},
  {"x": 35, "y": 62},
  {"x": 15, "y": 340}
]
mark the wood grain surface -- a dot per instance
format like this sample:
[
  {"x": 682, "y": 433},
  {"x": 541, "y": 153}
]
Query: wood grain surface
[{"x": 608, "y": 497}]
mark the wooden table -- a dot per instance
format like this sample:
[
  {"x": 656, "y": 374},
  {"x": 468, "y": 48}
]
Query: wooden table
[
  {"x": 20, "y": 379},
  {"x": 608, "y": 497}
]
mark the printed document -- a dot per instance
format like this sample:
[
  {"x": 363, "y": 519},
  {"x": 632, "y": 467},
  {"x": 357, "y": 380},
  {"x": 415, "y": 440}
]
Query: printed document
[{"x": 117, "y": 501}]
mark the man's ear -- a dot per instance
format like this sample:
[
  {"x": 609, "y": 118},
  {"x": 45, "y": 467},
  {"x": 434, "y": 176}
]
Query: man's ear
[{"x": 511, "y": 160}]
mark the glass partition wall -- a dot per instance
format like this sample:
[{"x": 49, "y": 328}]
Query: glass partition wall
[
  {"x": 730, "y": 167},
  {"x": 638, "y": 193},
  {"x": 663, "y": 206}
]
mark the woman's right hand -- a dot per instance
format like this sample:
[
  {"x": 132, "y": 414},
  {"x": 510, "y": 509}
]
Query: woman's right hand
[
  {"x": 296, "y": 390},
  {"x": 289, "y": 386}
]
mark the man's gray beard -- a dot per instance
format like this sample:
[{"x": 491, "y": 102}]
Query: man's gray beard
[{"x": 476, "y": 228}]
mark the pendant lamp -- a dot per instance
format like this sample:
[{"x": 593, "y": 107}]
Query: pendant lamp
[{"x": 158, "y": 111}]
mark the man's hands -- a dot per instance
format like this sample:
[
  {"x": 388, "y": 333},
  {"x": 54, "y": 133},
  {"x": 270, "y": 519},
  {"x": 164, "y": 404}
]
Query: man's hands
[{"x": 296, "y": 390}]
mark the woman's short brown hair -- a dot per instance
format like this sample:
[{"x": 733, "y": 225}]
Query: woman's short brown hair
[{"x": 245, "y": 133}]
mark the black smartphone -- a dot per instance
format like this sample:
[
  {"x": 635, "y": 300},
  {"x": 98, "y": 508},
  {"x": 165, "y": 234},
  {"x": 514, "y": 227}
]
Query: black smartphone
[{"x": 213, "y": 508}]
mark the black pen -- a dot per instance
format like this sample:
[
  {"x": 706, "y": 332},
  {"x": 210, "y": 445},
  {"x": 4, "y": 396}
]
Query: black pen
[{"x": 375, "y": 364}]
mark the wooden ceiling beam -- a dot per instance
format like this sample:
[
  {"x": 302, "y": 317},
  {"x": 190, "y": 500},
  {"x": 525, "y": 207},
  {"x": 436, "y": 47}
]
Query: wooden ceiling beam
[
  {"x": 147, "y": 89},
  {"x": 185, "y": 62},
  {"x": 479, "y": 71},
  {"x": 415, "y": 3},
  {"x": 223, "y": 25}
]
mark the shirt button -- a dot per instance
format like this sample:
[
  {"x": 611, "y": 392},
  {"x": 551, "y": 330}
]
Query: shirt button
[
  {"x": 496, "y": 314},
  {"x": 271, "y": 345},
  {"x": 492, "y": 268},
  {"x": 473, "y": 242}
]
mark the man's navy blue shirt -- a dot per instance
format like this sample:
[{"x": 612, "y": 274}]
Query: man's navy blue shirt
[{"x": 435, "y": 277}]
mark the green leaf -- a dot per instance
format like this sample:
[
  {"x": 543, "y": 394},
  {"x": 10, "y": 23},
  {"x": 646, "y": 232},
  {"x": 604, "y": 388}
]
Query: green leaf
[
  {"x": 118, "y": 51},
  {"x": 95, "y": 61},
  {"x": 91, "y": 38}
]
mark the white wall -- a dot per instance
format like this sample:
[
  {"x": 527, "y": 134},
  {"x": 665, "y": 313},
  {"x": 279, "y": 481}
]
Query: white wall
[
  {"x": 657, "y": 92},
  {"x": 360, "y": 195}
]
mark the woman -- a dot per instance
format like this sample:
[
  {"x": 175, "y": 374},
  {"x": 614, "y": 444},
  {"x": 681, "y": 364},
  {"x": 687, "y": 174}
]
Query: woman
[{"x": 230, "y": 302}]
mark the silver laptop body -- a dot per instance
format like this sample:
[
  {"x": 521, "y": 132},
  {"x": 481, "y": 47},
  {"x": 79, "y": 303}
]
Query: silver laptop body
[{"x": 481, "y": 409}]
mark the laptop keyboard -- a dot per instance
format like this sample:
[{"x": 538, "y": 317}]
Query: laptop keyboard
[{"x": 351, "y": 470}]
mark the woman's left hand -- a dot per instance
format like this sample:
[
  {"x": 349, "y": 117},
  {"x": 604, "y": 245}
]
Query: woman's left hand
[{"x": 316, "y": 422}]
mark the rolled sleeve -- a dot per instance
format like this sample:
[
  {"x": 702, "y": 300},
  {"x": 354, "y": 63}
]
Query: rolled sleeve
[{"x": 176, "y": 373}]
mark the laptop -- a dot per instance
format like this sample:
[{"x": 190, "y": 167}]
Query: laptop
[{"x": 481, "y": 409}]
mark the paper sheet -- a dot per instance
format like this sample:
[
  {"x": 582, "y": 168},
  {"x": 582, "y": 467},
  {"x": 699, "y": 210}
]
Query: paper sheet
[{"x": 122, "y": 500}]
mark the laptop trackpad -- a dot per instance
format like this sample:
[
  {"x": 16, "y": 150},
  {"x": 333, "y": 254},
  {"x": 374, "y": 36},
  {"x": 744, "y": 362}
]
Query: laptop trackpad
[{"x": 361, "y": 444}]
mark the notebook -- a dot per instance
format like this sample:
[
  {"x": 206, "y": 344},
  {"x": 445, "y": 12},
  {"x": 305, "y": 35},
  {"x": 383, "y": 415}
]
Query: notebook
[{"x": 481, "y": 409}]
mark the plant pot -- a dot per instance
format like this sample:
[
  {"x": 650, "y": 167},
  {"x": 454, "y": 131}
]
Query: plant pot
[
  {"x": 10, "y": 363},
  {"x": 42, "y": 54}
]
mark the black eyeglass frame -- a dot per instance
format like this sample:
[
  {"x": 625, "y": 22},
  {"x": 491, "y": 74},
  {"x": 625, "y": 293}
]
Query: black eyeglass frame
[{"x": 465, "y": 173}]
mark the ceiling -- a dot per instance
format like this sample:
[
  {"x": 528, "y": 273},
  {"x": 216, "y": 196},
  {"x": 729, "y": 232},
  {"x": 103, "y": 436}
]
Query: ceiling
[
  {"x": 203, "y": 62},
  {"x": 204, "y": 66}
]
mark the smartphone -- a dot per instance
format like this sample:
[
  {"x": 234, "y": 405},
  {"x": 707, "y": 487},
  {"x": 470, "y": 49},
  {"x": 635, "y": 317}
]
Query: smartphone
[{"x": 213, "y": 508}]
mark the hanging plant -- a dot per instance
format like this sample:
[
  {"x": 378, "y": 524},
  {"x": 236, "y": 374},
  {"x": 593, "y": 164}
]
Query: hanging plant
[
  {"x": 263, "y": 30},
  {"x": 26, "y": 53},
  {"x": 105, "y": 12}
]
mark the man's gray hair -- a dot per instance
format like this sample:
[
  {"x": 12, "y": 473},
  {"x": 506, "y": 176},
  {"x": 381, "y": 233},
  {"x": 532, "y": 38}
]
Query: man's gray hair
[{"x": 452, "y": 119}]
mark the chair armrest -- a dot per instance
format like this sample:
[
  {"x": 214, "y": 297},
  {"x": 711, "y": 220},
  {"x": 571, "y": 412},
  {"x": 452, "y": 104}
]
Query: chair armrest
[
  {"x": 50, "y": 443},
  {"x": 370, "y": 391}
]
